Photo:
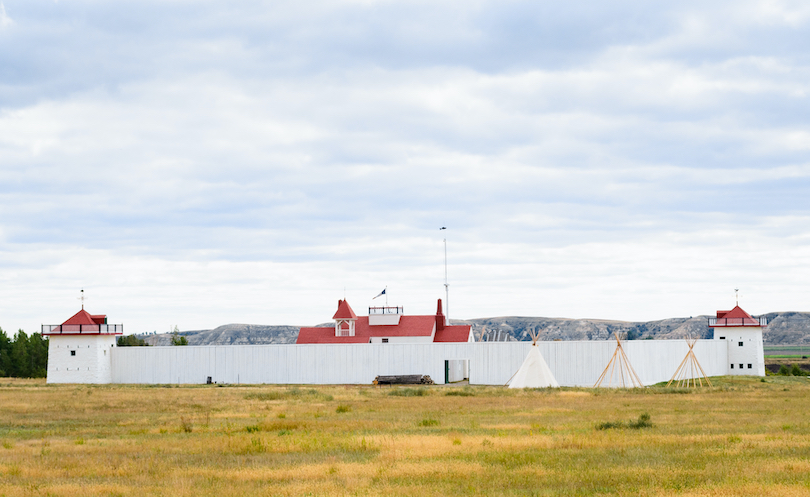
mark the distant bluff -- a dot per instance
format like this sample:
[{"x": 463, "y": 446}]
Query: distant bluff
[{"x": 784, "y": 328}]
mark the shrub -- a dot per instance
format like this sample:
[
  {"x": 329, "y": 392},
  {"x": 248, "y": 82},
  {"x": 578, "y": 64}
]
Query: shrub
[
  {"x": 343, "y": 408},
  {"x": 429, "y": 422},
  {"x": 461, "y": 393},
  {"x": 185, "y": 425},
  {"x": 608, "y": 425},
  {"x": 408, "y": 392},
  {"x": 265, "y": 396},
  {"x": 783, "y": 370},
  {"x": 796, "y": 370},
  {"x": 643, "y": 421}
]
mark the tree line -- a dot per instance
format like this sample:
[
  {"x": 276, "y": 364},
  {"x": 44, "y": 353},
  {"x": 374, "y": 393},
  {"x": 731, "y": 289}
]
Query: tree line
[{"x": 23, "y": 356}]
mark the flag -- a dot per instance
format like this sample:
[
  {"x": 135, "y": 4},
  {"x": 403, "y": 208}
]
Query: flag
[{"x": 380, "y": 294}]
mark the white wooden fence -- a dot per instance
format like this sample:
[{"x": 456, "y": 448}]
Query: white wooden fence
[{"x": 490, "y": 363}]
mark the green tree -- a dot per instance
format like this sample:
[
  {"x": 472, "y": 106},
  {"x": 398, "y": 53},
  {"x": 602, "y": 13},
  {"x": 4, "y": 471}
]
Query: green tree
[
  {"x": 176, "y": 339},
  {"x": 20, "y": 358},
  {"x": 38, "y": 350},
  {"x": 131, "y": 341},
  {"x": 5, "y": 354},
  {"x": 796, "y": 370}
]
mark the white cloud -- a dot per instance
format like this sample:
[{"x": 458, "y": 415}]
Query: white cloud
[
  {"x": 5, "y": 20},
  {"x": 216, "y": 163}
]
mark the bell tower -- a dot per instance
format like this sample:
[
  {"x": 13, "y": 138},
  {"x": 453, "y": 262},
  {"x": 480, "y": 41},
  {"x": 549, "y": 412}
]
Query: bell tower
[{"x": 345, "y": 320}]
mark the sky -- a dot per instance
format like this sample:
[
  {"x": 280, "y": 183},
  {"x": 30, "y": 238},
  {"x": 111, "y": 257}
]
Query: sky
[{"x": 198, "y": 163}]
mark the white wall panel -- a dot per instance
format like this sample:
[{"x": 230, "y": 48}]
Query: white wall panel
[{"x": 491, "y": 363}]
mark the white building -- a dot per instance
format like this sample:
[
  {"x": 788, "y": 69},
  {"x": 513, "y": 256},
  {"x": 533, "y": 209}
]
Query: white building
[
  {"x": 743, "y": 335},
  {"x": 80, "y": 350}
]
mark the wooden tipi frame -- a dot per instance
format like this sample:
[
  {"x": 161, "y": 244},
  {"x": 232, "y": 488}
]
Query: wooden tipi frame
[
  {"x": 625, "y": 369},
  {"x": 686, "y": 374},
  {"x": 534, "y": 334}
]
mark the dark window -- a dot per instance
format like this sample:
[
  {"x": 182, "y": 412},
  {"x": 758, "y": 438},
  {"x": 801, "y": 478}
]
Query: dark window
[
  {"x": 72, "y": 352},
  {"x": 749, "y": 367},
  {"x": 722, "y": 338},
  {"x": 384, "y": 340},
  {"x": 741, "y": 366},
  {"x": 739, "y": 344},
  {"x": 732, "y": 366}
]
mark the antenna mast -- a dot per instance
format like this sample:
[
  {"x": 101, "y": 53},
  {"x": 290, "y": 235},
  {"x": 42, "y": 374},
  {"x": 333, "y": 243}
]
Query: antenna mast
[
  {"x": 446, "y": 285},
  {"x": 82, "y": 298}
]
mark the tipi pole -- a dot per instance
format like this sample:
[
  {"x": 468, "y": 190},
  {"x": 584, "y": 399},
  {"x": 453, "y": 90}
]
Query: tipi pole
[{"x": 679, "y": 368}]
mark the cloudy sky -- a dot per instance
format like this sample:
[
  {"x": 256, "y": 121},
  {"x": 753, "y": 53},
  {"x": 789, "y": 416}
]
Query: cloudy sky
[{"x": 203, "y": 163}]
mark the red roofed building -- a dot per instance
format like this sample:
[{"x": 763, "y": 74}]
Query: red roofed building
[
  {"x": 385, "y": 325},
  {"x": 79, "y": 350},
  {"x": 743, "y": 333}
]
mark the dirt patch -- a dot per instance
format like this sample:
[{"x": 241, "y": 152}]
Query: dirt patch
[{"x": 773, "y": 365}]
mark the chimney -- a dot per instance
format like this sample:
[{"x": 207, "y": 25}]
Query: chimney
[{"x": 439, "y": 317}]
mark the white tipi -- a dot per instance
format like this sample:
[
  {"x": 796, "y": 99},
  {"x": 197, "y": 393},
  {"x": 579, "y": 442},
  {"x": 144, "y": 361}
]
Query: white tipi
[{"x": 534, "y": 373}]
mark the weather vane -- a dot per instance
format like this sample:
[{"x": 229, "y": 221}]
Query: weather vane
[{"x": 82, "y": 298}]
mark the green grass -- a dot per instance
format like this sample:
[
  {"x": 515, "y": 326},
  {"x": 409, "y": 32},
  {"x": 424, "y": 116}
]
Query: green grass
[{"x": 741, "y": 437}]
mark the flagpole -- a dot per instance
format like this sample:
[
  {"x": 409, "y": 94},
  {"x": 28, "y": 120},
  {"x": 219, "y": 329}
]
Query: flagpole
[{"x": 446, "y": 285}]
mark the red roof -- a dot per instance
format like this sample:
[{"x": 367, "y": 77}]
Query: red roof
[
  {"x": 344, "y": 311},
  {"x": 409, "y": 326},
  {"x": 735, "y": 317},
  {"x": 453, "y": 333},
  {"x": 84, "y": 317},
  {"x": 737, "y": 312}
]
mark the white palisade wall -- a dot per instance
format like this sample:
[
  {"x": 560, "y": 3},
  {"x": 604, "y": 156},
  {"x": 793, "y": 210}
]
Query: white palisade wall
[
  {"x": 90, "y": 361},
  {"x": 490, "y": 363}
]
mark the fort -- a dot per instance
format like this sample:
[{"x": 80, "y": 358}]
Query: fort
[{"x": 357, "y": 349}]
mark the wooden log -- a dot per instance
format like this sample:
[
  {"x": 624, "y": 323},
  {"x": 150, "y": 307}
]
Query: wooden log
[{"x": 404, "y": 379}]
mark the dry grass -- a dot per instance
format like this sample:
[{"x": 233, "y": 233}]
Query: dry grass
[{"x": 743, "y": 437}]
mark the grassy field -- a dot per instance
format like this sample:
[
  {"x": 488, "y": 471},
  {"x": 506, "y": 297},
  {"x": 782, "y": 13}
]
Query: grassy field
[
  {"x": 743, "y": 437},
  {"x": 785, "y": 351}
]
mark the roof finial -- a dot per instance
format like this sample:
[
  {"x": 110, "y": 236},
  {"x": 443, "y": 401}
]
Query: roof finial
[
  {"x": 82, "y": 298},
  {"x": 737, "y": 296}
]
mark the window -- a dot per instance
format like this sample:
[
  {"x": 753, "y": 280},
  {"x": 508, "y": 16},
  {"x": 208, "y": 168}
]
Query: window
[
  {"x": 722, "y": 338},
  {"x": 72, "y": 352},
  {"x": 741, "y": 366},
  {"x": 749, "y": 367},
  {"x": 384, "y": 340},
  {"x": 732, "y": 366},
  {"x": 739, "y": 344}
]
